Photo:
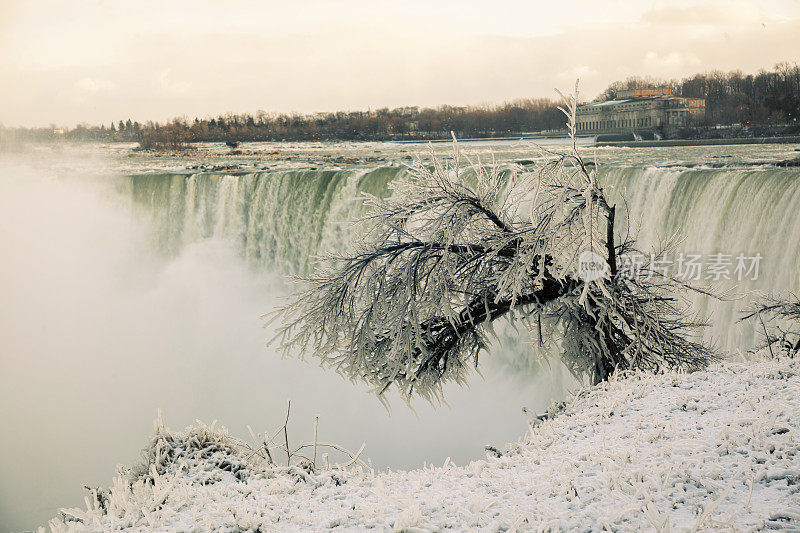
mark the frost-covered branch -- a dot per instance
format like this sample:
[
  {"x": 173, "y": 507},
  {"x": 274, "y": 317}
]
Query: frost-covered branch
[{"x": 779, "y": 319}]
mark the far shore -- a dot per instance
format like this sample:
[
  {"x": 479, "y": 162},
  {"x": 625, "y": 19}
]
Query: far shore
[
  {"x": 785, "y": 139},
  {"x": 789, "y": 139}
]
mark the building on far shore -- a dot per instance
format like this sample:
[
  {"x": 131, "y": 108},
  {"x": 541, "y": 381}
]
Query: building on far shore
[{"x": 653, "y": 109}]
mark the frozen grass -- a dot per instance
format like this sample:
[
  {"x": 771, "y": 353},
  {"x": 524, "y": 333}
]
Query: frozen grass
[{"x": 716, "y": 449}]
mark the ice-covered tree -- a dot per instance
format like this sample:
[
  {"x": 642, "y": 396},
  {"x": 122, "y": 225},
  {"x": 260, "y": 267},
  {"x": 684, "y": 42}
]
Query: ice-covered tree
[{"x": 456, "y": 247}]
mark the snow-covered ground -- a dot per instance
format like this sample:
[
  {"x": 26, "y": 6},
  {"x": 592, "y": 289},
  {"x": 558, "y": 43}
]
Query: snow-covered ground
[{"x": 718, "y": 449}]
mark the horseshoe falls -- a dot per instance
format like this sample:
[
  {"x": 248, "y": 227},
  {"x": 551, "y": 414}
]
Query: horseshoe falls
[{"x": 283, "y": 220}]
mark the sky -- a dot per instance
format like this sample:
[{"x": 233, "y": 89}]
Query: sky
[{"x": 69, "y": 61}]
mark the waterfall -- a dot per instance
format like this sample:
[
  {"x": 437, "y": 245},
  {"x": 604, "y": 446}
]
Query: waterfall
[
  {"x": 730, "y": 211},
  {"x": 278, "y": 220},
  {"x": 282, "y": 220}
]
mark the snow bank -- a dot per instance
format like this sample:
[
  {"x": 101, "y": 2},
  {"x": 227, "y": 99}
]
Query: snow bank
[{"x": 714, "y": 449}]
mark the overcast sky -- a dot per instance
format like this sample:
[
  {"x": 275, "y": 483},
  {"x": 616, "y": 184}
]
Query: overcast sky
[{"x": 76, "y": 61}]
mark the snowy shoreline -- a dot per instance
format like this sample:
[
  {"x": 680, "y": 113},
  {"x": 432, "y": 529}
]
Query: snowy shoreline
[{"x": 714, "y": 449}]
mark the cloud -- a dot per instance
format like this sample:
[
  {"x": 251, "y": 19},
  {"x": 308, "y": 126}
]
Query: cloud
[
  {"x": 170, "y": 85},
  {"x": 578, "y": 72},
  {"x": 670, "y": 62},
  {"x": 90, "y": 86},
  {"x": 86, "y": 90},
  {"x": 709, "y": 13}
]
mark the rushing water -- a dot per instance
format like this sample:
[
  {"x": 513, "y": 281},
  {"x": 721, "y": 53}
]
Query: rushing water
[
  {"x": 282, "y": 220},
  {"x": 275, "y": 220},
  {"x": 136, "y": 284},
  {"x": 732, "y": 211}
]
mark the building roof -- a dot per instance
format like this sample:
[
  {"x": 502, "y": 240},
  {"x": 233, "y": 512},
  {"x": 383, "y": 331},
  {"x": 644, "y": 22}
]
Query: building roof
[
  {"x": 607, "y": 102},
  {"x": 635, "y": 100}
]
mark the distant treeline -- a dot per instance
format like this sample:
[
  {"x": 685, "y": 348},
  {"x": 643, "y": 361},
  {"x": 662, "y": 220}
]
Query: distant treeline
[{"x": 766, "y": 99}]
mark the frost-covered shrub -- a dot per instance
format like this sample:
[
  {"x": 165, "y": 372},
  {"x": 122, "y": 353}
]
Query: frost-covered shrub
[
  {"x": 179, "y": 468},
  {"x": 201, "y": 445}
]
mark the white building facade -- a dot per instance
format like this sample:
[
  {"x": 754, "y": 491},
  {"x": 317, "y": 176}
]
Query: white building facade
[{"x": 639, "y": 109}]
